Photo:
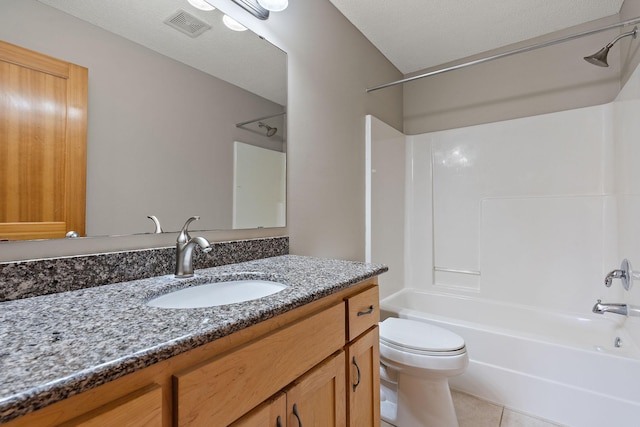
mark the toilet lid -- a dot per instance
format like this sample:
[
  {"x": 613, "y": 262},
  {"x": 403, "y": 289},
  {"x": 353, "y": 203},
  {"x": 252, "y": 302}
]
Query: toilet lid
[{"x": 419, "y": 336}]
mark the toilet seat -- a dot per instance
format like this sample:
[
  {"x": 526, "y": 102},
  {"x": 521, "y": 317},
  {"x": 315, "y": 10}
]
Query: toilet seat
[{"x": 420, "y": 338}]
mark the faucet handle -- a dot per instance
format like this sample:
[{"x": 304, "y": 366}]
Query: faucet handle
[
  {"x": 156, "y": 223},
  {"x": 614, "y": 274},
  {"x": 184, "y": 237},
  {"x": 625, "y": 274}
]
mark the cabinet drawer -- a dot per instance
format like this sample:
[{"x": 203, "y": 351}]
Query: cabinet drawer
[
  {"x": 220, "y": 391},
  {"x": 363, "y": 311},
  {"x": 140, "y": 408}
]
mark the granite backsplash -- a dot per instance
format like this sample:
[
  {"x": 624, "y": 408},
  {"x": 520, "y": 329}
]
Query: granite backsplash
[{"x": 24, "y": 279}]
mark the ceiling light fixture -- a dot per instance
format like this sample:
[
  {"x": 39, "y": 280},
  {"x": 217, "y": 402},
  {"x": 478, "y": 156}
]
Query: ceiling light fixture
[
  {"x": 202, "y": 5},
  {"x": 274, "y": 5},
  {"x": 253, "y": 8},
  {"x": 232, "y": 24}
]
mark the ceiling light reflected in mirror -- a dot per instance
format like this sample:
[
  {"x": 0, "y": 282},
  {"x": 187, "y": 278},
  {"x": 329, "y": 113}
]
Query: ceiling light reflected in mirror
[
  {"x": 274, "y": 5},
  {"x": 232, "y": 24},
  {"x": 202, "y": 5}
]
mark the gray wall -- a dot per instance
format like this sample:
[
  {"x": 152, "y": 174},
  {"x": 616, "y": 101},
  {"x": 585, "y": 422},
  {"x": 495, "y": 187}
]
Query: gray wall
[
  {"x": 330, "y": 66},
  {"x": 546, "y": 80},
  {"x": 630, "y": 48}
]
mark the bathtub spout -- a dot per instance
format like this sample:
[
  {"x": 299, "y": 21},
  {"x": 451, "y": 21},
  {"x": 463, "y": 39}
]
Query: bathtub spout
[{"x": 601, "y": 308}]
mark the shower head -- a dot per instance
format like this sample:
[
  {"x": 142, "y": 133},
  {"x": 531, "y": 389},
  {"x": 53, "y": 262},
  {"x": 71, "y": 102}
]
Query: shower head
[
  {"x": 270, "y": 131},
  {"x": 600, "y": 57}
]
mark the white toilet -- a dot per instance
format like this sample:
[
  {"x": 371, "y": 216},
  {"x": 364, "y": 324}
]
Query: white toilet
[{"x": 416, "y": 361}]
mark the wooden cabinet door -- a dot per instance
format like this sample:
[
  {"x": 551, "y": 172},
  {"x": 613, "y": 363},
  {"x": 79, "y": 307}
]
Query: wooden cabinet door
[
  {"x": 318, "y": 398},
  {"x": 363, "y": 388},
  {"x": 272, "y": 413},
  {"x": 43, "y": 138},
  {"x": 227, "y": 387}
]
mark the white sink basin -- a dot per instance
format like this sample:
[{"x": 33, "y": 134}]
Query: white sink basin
[{"x": 217, "y": 293}]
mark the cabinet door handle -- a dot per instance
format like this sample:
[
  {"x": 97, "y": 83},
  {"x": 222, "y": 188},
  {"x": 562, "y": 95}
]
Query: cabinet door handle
[
  {"x": 353, "y": 361},
  {"x": 363, "y": 313},
  {"x": 295, "y": 412},
  {"x": 278, "y": 421}
]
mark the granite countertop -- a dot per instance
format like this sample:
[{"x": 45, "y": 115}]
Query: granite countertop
[{"x": 55, "y": 346}]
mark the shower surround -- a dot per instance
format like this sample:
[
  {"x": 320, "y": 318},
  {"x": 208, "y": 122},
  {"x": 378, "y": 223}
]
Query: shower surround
[{"x": 529, "y": 213}]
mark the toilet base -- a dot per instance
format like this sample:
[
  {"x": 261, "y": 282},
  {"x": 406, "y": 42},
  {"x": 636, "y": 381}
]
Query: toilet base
[
  {"x": 388, "y": 405},
  {"x": 417, "y": 402}
]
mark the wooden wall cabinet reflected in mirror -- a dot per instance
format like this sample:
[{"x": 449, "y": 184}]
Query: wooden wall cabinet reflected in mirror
[{"x": 43, "y": 139}]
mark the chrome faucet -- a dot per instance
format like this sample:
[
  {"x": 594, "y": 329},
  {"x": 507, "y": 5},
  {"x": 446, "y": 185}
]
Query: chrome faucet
[
  {"x": 184, "y": 250},
  {"x": 625, "y": 274},
  {"x": 615, "y": 274},
  {"x": 156, "y": 224},
  {"x": 622, "y": 309},
  {"x": 601, "y": 308}
]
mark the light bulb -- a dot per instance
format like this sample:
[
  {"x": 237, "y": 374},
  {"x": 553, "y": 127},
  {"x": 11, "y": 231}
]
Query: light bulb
[
  {"x": 233, "y": 24},
  {"x": 202, "y": 5},
  {"x": 274, "y": 5}
]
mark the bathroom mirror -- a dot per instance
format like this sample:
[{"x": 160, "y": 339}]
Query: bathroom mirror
[{"x": 165, "y": 105}]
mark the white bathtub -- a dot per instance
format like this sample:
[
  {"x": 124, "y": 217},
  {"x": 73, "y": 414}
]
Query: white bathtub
[{"x": 562, "y": 368}]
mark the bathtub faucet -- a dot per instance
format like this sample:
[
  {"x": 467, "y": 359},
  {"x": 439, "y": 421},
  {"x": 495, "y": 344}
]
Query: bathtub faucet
[
  {"x": 601, "y": 308},
  {"x": 615, "y": 274},
  {"x": 622, "y": 309},
  {"x": 625, "y": 274}
]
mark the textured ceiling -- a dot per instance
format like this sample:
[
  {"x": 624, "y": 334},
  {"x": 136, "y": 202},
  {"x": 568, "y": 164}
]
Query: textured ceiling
[
  {"x": 229, "y": 55},
  {"x": 418, "y": 34}
]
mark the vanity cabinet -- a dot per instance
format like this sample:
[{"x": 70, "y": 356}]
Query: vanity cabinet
[
  {"x": 227, "y": 387},
  {"x": 363, "y": 359},
  {"x": 363, "y": 389},
  {"x": 140, "y": 408},
  {"x": 120, "y": 403},
  {"x": 314, "y": 365},
  {"x": 272, "y": 413},
  {"x": 317, "y": 399}
]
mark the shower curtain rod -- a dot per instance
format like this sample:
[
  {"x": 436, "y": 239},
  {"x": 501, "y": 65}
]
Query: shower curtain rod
[
  {"x": 509, "y": 53},
  {"x": 260, "y": 118}
]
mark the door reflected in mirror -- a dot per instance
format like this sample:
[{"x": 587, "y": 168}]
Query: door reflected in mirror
[
  {"x": 164, "y": 108},
  {"x": 43, "y": 145}
]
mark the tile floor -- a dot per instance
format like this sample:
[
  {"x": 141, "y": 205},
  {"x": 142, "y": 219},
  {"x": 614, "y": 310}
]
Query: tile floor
[{"x": 474, "y": 412}]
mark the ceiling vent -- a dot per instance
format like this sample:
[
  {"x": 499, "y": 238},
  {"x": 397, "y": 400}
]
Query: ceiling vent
[{"x": 186, "y": 23}]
